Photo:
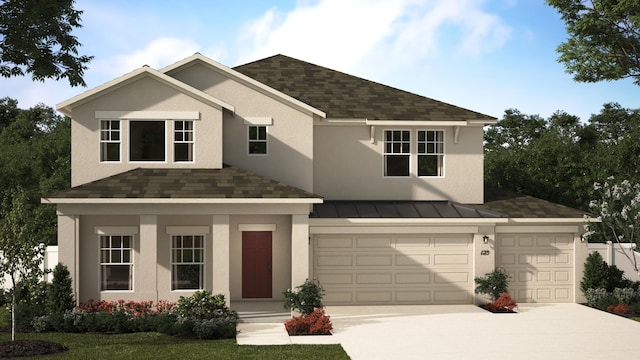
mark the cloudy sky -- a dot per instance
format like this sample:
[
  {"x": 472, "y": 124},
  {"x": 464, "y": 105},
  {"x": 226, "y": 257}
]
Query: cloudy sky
[{"x": 484, "y": 55}]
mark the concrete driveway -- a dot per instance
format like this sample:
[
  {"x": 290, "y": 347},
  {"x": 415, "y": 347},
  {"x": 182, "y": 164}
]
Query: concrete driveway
[{"x": 537, "y": 331}]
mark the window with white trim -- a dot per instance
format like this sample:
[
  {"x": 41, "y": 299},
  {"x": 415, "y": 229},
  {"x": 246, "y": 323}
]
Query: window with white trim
[
  {"x": 109, "y": 140},
  {"x": 183, "y": 141},
  {"x": 147, "y": 140},
  {"x": 116, "y": 262},
  {"x": 257, "y": 140},
  {"x": 187, "y": 262},
  {"x": 397, "y": 152},
  {"x": 430, "y": 153}
]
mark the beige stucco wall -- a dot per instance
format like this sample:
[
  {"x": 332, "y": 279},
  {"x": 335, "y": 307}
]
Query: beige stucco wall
[
  {"x": 290, "y": 139},
  {"x": 347, "y": 165},
  {"x": 145, "y": 94}
]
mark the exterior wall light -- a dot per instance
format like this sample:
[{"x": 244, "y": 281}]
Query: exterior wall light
[{"x": 485, "y": 239}]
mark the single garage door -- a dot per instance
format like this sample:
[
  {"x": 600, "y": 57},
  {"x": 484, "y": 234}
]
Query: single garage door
[
  {"x": 541, "y": 266},
  {"x": 394, "y": 269}
]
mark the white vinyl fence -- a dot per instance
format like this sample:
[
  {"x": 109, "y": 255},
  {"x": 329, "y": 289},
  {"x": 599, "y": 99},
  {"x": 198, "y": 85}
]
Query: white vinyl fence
[
  {"x": 50, "y": 261},
  {"x": 613, "y": 254}
]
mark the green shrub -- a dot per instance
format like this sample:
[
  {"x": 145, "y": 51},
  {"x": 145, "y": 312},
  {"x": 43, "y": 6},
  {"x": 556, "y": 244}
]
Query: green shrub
[
  {"x": 593, "y": 296},
  {"x": 31, "y": 300},
  {"x": 599, "y": 275},
  {"x": 494, "y": 283},
  {"x": 59, "y": 296},
  {"x": 307, "y": 297}
]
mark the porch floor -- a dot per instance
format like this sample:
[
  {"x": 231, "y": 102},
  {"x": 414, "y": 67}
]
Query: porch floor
[{"x": 261, "y": 311}]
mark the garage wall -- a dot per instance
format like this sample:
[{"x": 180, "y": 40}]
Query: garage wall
[{"x": 394, "y": 269}]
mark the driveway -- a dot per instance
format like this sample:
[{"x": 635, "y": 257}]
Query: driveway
[{"x": 537, "y": 331}]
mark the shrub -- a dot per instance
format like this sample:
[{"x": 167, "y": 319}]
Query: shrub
[
  {"x": 493, "y": 284},
  {"x": 203, "y": 305},
  {"x": 31, "y": 302},
  {"x": 503, "y": 303},
  {"x": 202, "y": 315},
  {"x": 625, "y": 295},
  {"x": 599, "y": 275},
  {"x": 619, "y": 309},
  {"x": 316, "y": 323},
  {"x": 307, "y": 297},
  {"x": 594, "y": 296},
  {"x": 59, "y": 297}
]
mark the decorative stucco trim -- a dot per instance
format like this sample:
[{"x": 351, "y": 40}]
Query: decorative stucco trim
[
  {"x": 148, "y": 115},
  {"x": 187, "y": 230},
  {"x": 265, "y": 121},
  {"x": 394, "y": 230},
  {"x": 115, "y": 230},
  {"x": 537, "y": 229},
  {"x": 257, "y": 227}
]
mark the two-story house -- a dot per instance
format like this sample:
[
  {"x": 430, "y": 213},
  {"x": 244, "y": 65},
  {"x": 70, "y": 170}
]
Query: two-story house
[{"x": 248, "y": 180}]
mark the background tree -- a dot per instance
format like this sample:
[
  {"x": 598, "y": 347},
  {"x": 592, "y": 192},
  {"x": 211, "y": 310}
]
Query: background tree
[
  {"x": 35, "y": 38},
  {"x": 604, "y": 39}
]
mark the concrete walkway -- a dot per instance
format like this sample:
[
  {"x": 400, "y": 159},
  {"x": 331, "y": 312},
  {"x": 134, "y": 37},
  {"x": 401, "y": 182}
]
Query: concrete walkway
[{"x": 537, "y": 331}]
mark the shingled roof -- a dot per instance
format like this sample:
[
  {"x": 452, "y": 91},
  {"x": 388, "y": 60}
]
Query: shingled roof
[
  {"x": 344, "y": 96},
  {"x": 524, "y": 206},
  {"x": 226, "y": 183}
]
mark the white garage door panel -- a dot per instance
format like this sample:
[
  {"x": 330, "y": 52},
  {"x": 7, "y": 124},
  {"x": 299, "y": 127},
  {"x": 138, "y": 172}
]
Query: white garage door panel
[
  {"x": 540, "y": 265},
  {"x": 385, "y": 269}
]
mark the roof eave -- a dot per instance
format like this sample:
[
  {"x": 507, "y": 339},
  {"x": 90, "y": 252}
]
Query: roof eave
[{"x": 181, "y": 200}]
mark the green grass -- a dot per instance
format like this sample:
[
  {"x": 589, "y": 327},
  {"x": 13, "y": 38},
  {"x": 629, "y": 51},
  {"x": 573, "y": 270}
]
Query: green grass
[{"x": 159, "y": 346}]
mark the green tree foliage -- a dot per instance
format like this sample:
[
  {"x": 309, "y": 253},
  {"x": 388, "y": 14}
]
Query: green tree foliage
[
  {"x": 599, "y": 275},
  {"x": 59, "y": 295},
  {"x": 493, "y": 284},
  {"x": 559, "y": 158},
  {"x": 604, "y": 39},
  {"x": 35, "y": 38},
  {"x": 306, "y": 298}
]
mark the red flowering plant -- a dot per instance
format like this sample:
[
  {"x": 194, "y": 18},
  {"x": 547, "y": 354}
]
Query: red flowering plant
[
  {"x": 132, "y": 308},
  {"x": 620, "y": 309},
  {"x": 504, "y": 303},
  {"x": 316, "y": 323}
]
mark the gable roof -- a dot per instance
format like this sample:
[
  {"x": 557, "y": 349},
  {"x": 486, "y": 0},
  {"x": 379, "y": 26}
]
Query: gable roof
[
  {"x": 198, "y": 58},
  {"x": 67, "y": 106},
  {"x": 524, "y": 206},
  {"x": 226, "y": 185},
  {"x": 344, "y": 96}
]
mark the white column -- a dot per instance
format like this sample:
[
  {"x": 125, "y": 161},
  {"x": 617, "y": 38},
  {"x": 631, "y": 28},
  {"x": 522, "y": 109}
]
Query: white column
[
  {"x": 220, "y": 266},
  {"x": 146, "y": 273},
  {"x": 299, "y": 249},
  {"x": 68, "y": 248}
]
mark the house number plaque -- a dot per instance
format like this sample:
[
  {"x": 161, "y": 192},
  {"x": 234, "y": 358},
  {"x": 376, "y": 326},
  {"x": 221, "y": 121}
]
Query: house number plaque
[{"x": 484, "y": 252}]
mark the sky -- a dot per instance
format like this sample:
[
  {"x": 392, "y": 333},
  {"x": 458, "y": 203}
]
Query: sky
[{"x": 483, "y": 55}]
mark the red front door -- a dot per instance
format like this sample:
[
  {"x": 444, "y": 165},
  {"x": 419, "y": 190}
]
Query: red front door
[{"x": 256, "y": 264}]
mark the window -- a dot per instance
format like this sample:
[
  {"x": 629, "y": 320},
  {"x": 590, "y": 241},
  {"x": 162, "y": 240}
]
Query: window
[
  {"x": 397, "y": 150},
  {"x": 430, "y": 153},
  {"x": 146, "y": 141},
  {"x": 183, "y": 141},
  {"x": 187, "y": 262},
  {"x": 110, "y": 140},
  {"x": 116, "y": 262},
  {"x": 257, "y": 140}
]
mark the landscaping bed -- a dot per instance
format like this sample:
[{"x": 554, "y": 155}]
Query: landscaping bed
[{"x": 30, "y": 348}]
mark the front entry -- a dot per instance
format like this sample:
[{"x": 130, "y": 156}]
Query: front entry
[{"x": 256, "y": 265}]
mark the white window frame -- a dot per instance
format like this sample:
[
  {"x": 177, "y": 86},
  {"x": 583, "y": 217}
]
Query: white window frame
[
  {"x": 400, "y": 151},
  {"x": 105, "y": 264},
  {"x": 177, "y": 262},
  {"x": 258, "y": 140},
  {"x": 185, "y": 132},
  {"x": 166, "y": 141},
  {"x": 109, "y": 131},
  {"x": 435, "y": 147}
]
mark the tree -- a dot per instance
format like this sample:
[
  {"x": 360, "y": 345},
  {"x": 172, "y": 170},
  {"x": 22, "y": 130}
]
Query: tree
[
  {"x": 22, "y": 252},
  {"x": 618, "y": 208},
  {"x": 604, "y": 39},
  {"x": 35, "y": 38}
]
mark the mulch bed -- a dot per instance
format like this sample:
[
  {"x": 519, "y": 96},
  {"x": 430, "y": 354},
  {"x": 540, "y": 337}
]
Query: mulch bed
[
  {"x": 20, "y": 348},
  {"x": 504, "y": 311}
]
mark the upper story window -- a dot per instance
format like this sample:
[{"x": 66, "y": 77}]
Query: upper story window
[
  {"x": 116, "y": 262},
  {"x": 257, "y": 140},
  {"x": 147, "y": 141},
  {"x": 110, "y": 140},
  {"x": 183, "y": 141},
  {"x": 397, "y": 152},
  {"x": 187, "y": 262},
  {"x": 430, "y": 153}
]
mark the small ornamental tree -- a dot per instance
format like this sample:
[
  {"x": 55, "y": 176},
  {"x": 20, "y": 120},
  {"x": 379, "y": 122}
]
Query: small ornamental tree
[
  {"x": 618, "y": 209},
  {"x": 494, "y": 283}
]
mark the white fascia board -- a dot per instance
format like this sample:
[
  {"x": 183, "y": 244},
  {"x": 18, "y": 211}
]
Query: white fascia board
[
  {"x": 256, "y": 120},
  {"x": 406, "y": 222},
  {"x": 181, "y": 201},
  {"x": 482, "y": 122},
  {"x": 537, "y": 229},
  {"x": 552, "y": 220},
  {"x": 67, "y": 106},
  {"x": 244, "y": 79},
  {"x": 415, "y": 123},
  {"x": 393, "y": 230},
  {"x": 342, "y": 122}
]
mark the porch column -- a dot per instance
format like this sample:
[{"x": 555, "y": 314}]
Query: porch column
[
  {"x": 220, "y": 266},
  {"x": 299, "y": 249},
  {"x": 484, "y": 256},
  {"x": 147, "y": 272},
  {"x": 68, "y": 249}
]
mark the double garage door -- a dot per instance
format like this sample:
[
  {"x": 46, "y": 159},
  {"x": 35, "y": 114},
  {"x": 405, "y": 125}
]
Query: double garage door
[
  {"x": 541, "y": 266},
  {"x": 394, "y": 269}
]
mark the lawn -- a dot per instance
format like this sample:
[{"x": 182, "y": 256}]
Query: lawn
[{"x": 159, "y": 346}]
